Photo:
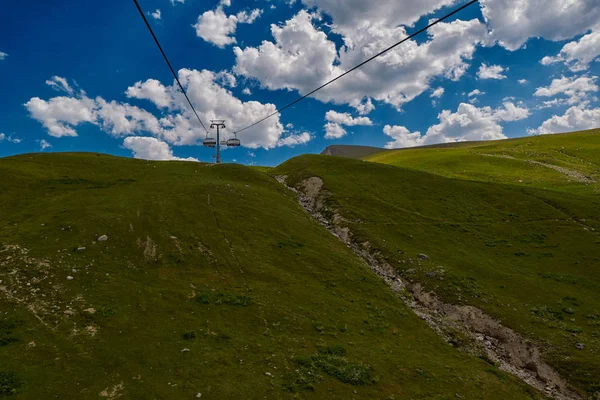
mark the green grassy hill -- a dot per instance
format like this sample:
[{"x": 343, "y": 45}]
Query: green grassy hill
[
  {"x": 566, "y": 162},
  {"x": 341, "y": 150},
  {"x": 130, "y": 279},
  {"x": 529, "y": 257}
]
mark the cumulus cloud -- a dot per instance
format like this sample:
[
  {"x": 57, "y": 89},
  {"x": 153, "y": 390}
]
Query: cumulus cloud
[
  {"x": 333, "y": 128},
  {"x": 513, "y": 22},
  {"x": 219, "y": 29},
  {"x": 576, "y": 118},
  {"x": 9, "y": 138},
  {"x": 150, "y": 148},
  {"x": 475, "y": 92},
  {"x": 3, "y": 55},
  {"x": 579, "y": 54},
  {"x": 574, "y": 89},
  {"x": 437, "y": 93},
  {"x": 334, "y": 131},
  {"x": 302, "y": 57},
  {"x": 294, "y": 139},
  {"x": 491, "y": 72},
  {"x": 151, "y": 90},
  {"x": 44, "y": 145},
  {"x": 156, "y": 14},
  {"x": 178, "y": 125},
  {"x": 60, "y": 114},
  {"x": 346, "y": 119},
  {"x": 247, "y": 91},
  {"x": 467, "y": 123},
  {"x": 350, "y": 15},
  {"x": 523, "y": 81}
]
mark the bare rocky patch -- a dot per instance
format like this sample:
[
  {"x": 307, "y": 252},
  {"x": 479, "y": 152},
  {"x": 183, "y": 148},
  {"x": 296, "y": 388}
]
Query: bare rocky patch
[
  {"x": 481, "y": 334},
  {"x": 38, "y": 286}
]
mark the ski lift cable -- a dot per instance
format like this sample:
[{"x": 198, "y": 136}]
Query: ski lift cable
[
  {"x": 168, "y": 63},
  {"x": 278, "y": 111}
]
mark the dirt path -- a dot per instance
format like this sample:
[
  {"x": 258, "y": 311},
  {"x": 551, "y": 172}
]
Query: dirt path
[
  {"x": 486, "y": 336},
  {"x": 570, "y": 173}
]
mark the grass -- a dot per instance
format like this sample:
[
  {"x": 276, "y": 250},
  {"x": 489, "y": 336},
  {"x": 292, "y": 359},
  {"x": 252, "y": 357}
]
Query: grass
[
  {"x": 527, "y": 256},
  {"x": 508, "y": 161},
  {"x": 217, "y": 260},
  {"x": 9, "y": 383}
]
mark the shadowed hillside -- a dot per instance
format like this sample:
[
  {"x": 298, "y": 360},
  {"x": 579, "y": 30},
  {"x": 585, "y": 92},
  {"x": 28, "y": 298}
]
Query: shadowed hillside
[
  {"x": 123, "y": 278},
  {"x": 528, "y": 257}
]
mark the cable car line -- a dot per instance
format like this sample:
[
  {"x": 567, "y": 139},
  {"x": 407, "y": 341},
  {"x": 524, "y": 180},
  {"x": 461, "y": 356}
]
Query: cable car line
[
  {"x": 168, "y": 63},
  {"x": 278, "y": 111}
]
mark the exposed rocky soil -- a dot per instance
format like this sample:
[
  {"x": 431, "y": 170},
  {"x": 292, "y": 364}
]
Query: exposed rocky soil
[{"x": 484, "y": 336}]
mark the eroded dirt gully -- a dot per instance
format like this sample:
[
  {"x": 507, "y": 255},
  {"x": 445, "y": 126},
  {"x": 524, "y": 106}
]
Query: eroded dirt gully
[{"x": 484, "y": 335}]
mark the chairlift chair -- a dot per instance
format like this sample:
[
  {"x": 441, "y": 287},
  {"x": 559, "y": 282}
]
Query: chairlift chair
[
  {"x": 209, "y": 142},
  {"x": 233, "y": 142}
]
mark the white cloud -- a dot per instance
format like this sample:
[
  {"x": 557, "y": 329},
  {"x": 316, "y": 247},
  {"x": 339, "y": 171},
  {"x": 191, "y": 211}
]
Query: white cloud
[
  {"x": 576, "y": 89},
  {"x": 151, "y": 90},
  {"x": 467, "y": 123},
  {"x": 3, "y": 55},
  {"x": 491, "y": 72},
  {"x": 44, "y": 145},
  {"x": 476, "y": 92},
  {"x": 523, "y": 81},
  {"x": 350, "y": 15},
  {"x": 509, "y": 112},
  {"x": 294, "y": 140},
  {"x": 247, "y": 91},
  {"x": 576, "y": 118},
  {"x": 513, "y": 22},
  {"x": 179, "y": 126},
  {"x": 437, "y": 93},
  {"x": 156, "y": 14},
  {"x": 346, "y": 119},
  {"x": 218, "y": 28},
  {"x": 9, "y": 138},
  {"x": 60, "y": 84},
  {"x": 60, "y": 114},
  {"x": 334, "y": 131},
  {"x": 578, "y": 55},
  {"x": 364, "y": 107},
  {"x": 149, "y": 148},
  {"x": 402, "y": 137},
  {"x": 244, "y": 17},
  {"x": 301, "y": 57}
]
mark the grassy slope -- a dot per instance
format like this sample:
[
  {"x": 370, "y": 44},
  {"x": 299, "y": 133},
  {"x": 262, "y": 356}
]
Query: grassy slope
[
  {"x": 341, "y": 150},
  {"x": 188, "y": 245},
  {"x": 526, "y": 256},
  {"x": 479, "y": 161}
]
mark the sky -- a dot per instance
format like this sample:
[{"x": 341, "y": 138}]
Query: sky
[{"x": 75, "y": 76}]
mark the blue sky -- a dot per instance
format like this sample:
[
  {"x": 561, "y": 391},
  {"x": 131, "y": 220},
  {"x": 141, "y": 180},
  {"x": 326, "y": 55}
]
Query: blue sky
[{"x": 79, "y": 77}]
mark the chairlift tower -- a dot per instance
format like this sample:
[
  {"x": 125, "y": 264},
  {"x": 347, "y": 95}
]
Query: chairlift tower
[{"x": 212, "y": 142}]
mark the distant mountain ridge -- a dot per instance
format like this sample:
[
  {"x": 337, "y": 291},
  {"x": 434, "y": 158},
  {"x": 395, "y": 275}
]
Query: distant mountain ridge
[{"x": 350, "y": 151}]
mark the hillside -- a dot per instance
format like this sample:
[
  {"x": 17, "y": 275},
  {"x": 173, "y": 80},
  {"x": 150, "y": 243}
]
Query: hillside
[
  {"x": 567, "y": 162},
  {"x": 341, "y": 150},
  {"x": 527, "y": 257},
  {"x": 123, "y": 278}
]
